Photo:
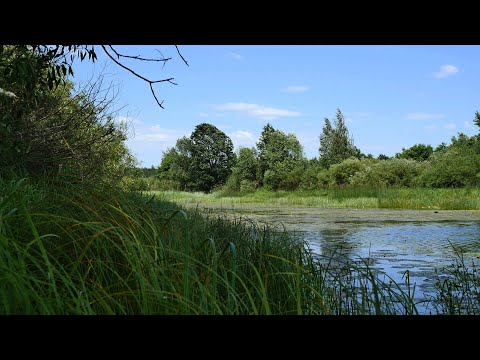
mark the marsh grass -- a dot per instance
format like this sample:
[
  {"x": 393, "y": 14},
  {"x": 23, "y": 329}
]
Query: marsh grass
[
  {"x": 350, "y": 197},
  {"x": 73, "y": 249},
  {"x": 458, "y": 288}
]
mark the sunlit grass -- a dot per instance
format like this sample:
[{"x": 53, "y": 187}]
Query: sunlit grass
[
  {"x": 393, "y": 198},
  {"x": 76, "y": 249}
]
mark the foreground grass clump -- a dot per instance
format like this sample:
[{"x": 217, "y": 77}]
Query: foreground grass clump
[
  {"x": 73, "y": 249},
  {"x": 348, "y": 197},
  {"x": 458, "y": 290}
]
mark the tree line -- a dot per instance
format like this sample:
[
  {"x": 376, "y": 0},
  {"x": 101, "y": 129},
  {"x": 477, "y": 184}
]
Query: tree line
[{"x": 206, "y": 162}]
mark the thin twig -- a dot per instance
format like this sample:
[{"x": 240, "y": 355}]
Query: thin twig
[
  {"x": 137, "y": 57},
  {"x": 151, "y": 82},
  {"x": 181, "y": 55},
  {"x": 134, "y": 73}
]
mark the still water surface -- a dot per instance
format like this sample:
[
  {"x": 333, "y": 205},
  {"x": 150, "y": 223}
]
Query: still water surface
[{"x": 420, "y": 241}]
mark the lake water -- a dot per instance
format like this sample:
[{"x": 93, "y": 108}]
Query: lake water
[{"x": 420, "y": 241}]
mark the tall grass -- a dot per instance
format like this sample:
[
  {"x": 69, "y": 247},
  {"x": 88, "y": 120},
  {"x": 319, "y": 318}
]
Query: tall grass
[
  {"x": 350, "y": 197},
  {"x": 72, "y": 249}
]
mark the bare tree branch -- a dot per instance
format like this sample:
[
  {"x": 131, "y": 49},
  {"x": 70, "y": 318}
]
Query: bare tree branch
[
  {"x": 138, "y": 57},
  {"x": 151, "y": 82},
  {"x": 181, "y": 55}
]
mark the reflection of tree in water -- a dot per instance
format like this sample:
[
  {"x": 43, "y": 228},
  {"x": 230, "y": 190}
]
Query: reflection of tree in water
[{"x": 336, "y": 243}]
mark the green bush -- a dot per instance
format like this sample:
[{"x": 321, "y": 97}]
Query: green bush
[
  {"x": 247, "y": 185},
  {"x": 454, "y": 167},
  {"x": 392, "y": 172},
  {"x": 310, "y": 177},
  {"x": 324, "y": 178},
  {"x": 291, "y": 180},
  {"x": 342, "y": 174},
  {"x": 271, "y": 180}
]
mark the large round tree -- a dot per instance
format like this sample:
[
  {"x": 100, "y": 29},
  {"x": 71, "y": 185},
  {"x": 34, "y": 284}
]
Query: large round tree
[{"x": 212, "y": 157}]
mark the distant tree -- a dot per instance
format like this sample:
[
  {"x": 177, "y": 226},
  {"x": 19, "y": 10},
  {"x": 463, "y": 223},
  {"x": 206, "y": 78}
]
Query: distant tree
[
  {"x": 280, "y": 159},
  {"x": 336, "y": 144},
  {"x": 476, "y": 120},
  {"x": 212, "y": 157},
  {"x": 310, "y": 176},
  {"x": 262, "y": 146},
  {"x": 383, "y": 157},
  {"x": 457, "y": 166},
  {"x": 441, "y": 147},
  {"x": 325, "y": 149},
  {"x": 464, "y": 142},
  {"x": 244, "y": 173},
  {"x": 175, "y": 165},
  {"x": 418, "y": 152}
]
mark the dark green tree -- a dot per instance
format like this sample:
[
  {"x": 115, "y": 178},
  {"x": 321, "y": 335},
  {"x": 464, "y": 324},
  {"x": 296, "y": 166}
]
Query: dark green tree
[
  {"x": 326, "y": 144},
  {"x": 418, "y": 152},
  {"x": 244, "y": 173},
  {"x": 50, "y": 129},
  {"x": 175, "y": 165},
  {"x": 281, "y": 159},
  {"x": 212, "y": 158},
  {"x": 476, "y": 120},
  {"x": 336, "y": 144},
  {"x": 262, "y": 145},
  {"x": 440, "y": 147},
  {"x": 342, "y": 143}
]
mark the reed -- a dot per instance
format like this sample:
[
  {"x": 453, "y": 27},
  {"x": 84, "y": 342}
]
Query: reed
[{"x": 72, "y": 249}]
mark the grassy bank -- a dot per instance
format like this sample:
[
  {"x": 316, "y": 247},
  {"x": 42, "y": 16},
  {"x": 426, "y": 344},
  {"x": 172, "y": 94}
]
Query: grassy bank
[
  {"x": 387, "y": 198},
  {"x": 70, "y": 249}
]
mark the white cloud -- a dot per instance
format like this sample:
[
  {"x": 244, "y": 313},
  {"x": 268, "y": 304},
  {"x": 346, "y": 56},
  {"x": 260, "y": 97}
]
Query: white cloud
[
  {"x": 450, "y": 126},
  {"x": 242, "y": 138},
  {"x": 258, "y": 111},
  {"x": 236, "y": 56},
  {"x": 127, "y": 120},
  {"x": 157, "y": 134},
  {"x": 468, "y": 125},
  {"x": 446, "y": 70},
  {"x": 203, "y": 114},
  {"x": 423, "y": 116},
  {"x": 240, "y": 134},
  {"x": 296, "y": 89}
]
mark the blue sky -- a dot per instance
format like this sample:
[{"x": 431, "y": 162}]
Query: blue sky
[{"x": 391, "y": 96}]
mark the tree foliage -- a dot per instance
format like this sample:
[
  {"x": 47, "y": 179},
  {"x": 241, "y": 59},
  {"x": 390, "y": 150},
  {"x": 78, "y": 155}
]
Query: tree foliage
[
  {"x": 46, "y": 128},
  {"x": 244, "y": 173},
  {"x": 201, "y": 162},
  {"x": 418, "y": 152},
  {"x": 212, "y": 157},
  {"x": 336, "y": 144},
  {"x": 278, "y": 163},
  {"x": 31, "y": 66},
  {"x": 280, "y": 158}
]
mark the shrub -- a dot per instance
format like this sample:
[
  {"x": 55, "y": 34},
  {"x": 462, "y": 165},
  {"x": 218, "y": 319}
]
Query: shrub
[
  {"x": 342, "y": 174},
  {"x": 454, "y": 167},
  {"x": 247, "y": 185},
  {"x": 392, "y": 172}
]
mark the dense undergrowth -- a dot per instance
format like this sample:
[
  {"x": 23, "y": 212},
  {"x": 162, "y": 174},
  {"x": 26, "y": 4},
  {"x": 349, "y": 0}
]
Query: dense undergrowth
[{"x": 72, "y": 249}]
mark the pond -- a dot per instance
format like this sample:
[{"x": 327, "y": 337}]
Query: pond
[{"x": 394, "y": 241}]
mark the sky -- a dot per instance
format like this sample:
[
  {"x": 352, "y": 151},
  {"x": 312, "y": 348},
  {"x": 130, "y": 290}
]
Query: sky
[{"x": 391, "y": 96}]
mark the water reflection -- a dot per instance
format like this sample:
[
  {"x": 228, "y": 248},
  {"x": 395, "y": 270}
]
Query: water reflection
[
  {"x": 421, "y": 248},
  {"x": 393, "y": 241}
]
